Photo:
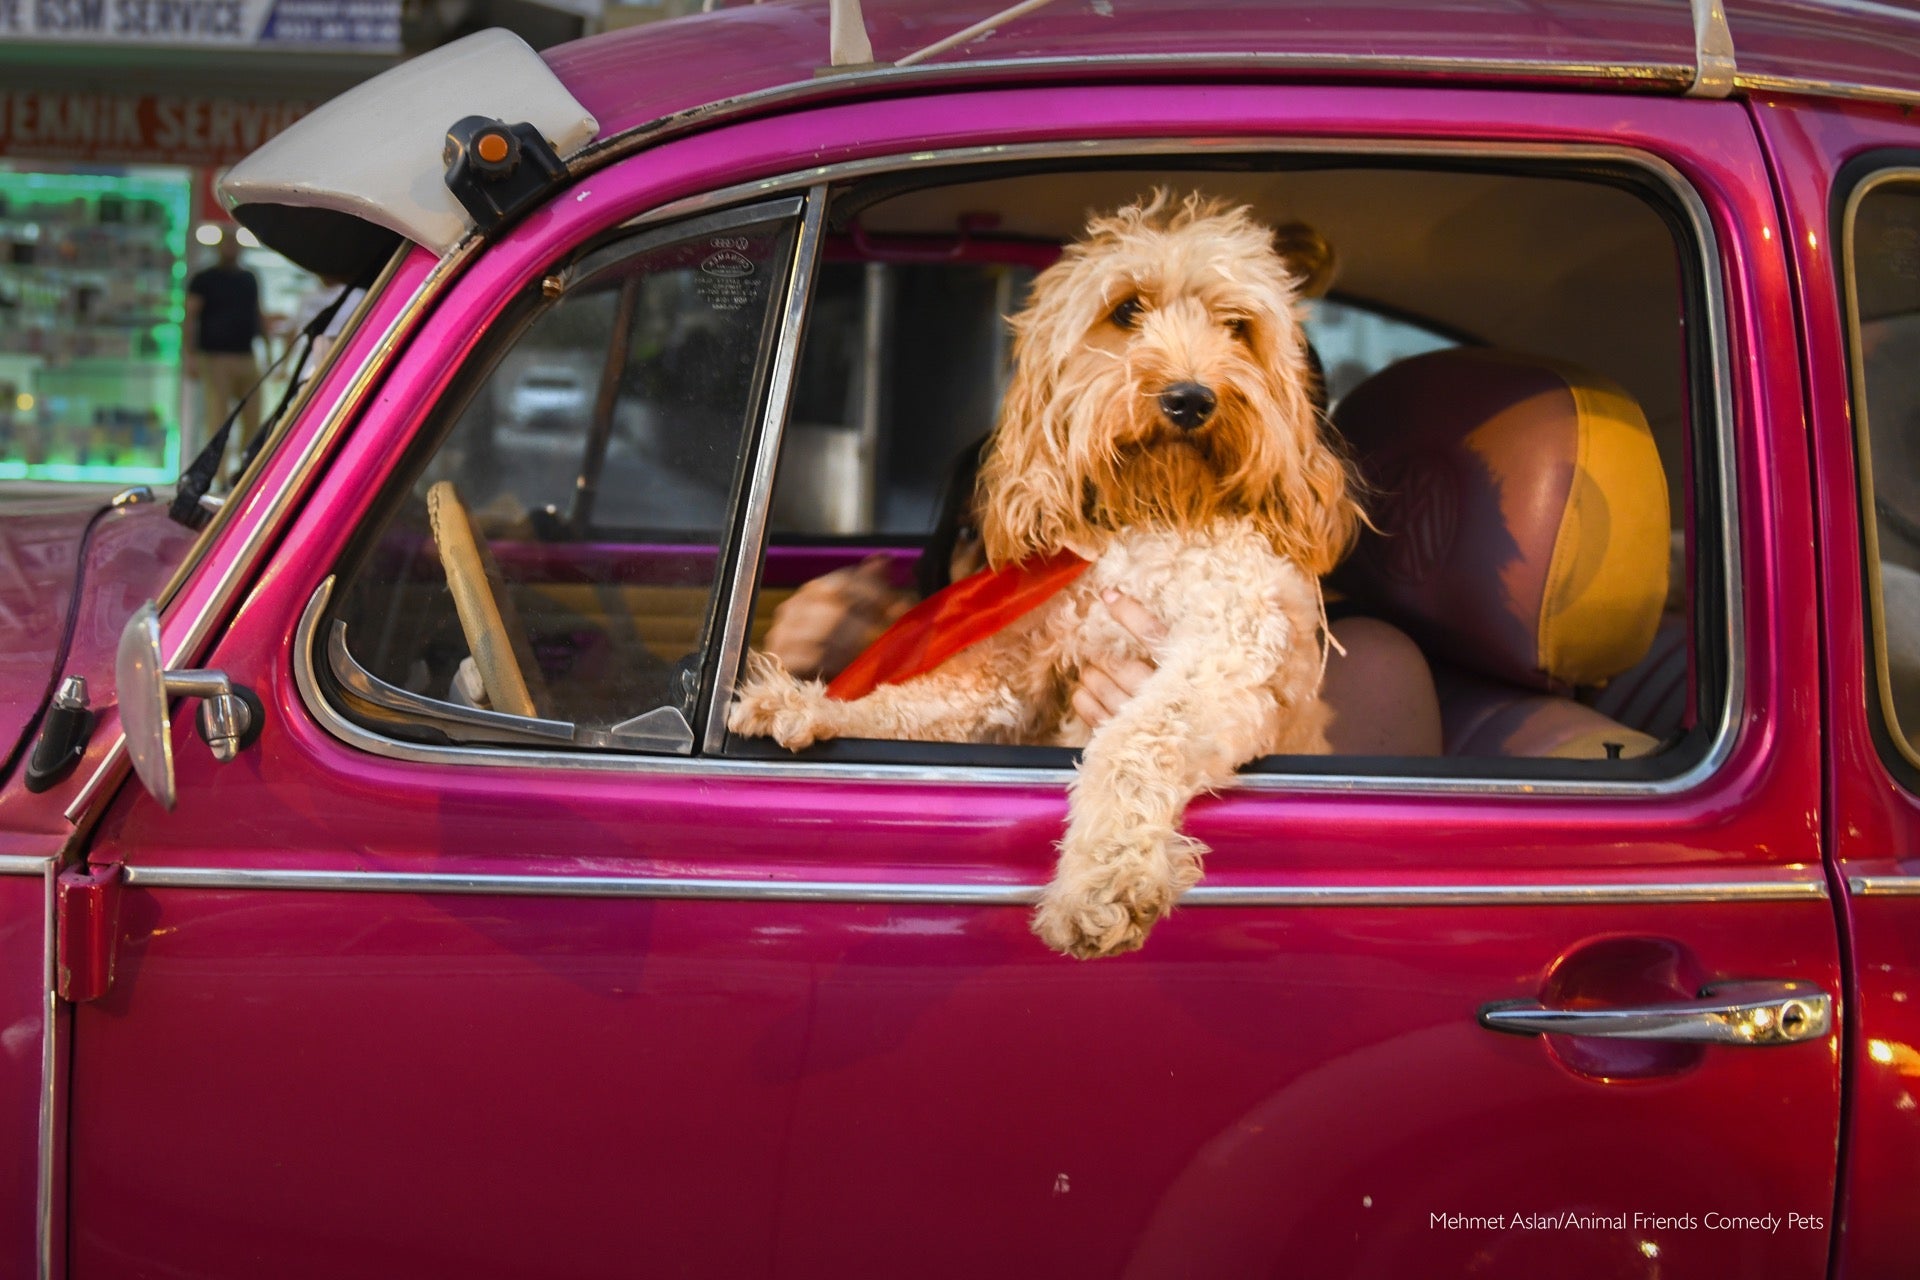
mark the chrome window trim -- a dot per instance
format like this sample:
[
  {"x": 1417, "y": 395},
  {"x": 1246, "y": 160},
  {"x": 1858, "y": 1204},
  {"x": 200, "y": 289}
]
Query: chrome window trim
[
  {"x": 686, "y": 888},
  {"x": 24, "y": 864},
  {"x": 745, "y": 569},
  {"x": 276, "y": 506},
  {"x": 1720, "y": 438},
  {"x": 1875, "y": 621},
  {"x": 449, "y": 717}
]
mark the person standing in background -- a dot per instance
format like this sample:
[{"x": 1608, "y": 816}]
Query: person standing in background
[{"x": 223, "y": 319}]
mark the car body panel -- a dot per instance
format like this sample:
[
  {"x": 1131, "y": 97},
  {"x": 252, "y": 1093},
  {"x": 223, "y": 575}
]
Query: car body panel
[
  {"x": 722, "y": 1016},
  {"x": 1875, "y": 823}
]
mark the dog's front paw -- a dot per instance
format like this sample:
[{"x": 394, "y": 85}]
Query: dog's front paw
[
  {"x": 1103, "y": 900},
  {"x": 770, "y": 703}
]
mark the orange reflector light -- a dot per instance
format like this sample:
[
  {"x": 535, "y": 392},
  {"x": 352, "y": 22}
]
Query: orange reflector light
[{"x": 491, "y": 147}]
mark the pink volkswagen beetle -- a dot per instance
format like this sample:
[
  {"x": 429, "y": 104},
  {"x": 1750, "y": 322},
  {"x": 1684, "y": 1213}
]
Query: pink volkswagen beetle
[{"x": 381, "y": 891}]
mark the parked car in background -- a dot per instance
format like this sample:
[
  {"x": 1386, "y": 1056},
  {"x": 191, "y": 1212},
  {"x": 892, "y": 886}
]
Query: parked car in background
[
  {"x": 361, "y": 969},
  {"x": 549, "y": 393}
]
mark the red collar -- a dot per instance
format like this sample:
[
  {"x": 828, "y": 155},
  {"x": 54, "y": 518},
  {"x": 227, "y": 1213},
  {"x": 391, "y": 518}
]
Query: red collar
[{"x": 951, "y": 620}]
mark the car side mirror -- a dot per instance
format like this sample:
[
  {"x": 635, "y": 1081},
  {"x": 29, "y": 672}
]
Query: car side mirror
[{"x": 230, "y": 714}]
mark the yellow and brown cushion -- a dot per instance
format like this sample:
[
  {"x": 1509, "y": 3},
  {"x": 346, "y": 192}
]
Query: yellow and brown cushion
[{"x": 1522, "y": 535}]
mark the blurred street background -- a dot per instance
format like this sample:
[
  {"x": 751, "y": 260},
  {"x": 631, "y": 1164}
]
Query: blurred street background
[{"x": 117, "y": 117}]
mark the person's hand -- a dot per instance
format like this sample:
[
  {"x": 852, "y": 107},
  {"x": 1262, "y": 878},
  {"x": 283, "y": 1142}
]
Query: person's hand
[
  {"x": 1107, "y": 686},
  {"x": 826, "y": 624}
]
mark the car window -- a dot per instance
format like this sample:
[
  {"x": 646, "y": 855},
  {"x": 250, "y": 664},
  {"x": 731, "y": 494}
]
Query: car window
[
  {"x": 927, "y": 343},
  {"x": 891, "y": 342},
  {"x": 1884, "y": 256},
  {"x": 548, "y": 575},
  {"x": 1354, "y": 341},
  {"x": 1576, "y": 297}
]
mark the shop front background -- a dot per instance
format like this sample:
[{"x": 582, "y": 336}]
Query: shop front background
[{"x": 116, "y": 120}]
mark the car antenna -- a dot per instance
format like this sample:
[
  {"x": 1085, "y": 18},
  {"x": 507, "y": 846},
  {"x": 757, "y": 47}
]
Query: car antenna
[{"x": 848, "y": 46}]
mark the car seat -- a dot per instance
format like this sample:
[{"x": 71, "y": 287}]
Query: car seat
[{"x": 1521, "y": 537}]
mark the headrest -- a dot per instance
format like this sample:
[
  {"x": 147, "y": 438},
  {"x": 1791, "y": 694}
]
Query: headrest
[{"x": 1521, "y": 515}]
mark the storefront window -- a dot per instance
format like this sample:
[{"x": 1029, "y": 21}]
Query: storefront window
[{"x": 93, "y": 273}]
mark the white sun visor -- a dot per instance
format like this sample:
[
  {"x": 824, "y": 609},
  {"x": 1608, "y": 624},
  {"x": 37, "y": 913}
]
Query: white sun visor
[{"x": 331, "y": 191}]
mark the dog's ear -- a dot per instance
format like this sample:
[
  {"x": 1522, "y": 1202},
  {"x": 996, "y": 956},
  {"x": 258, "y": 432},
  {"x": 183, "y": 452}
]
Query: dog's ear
[
  {"x": 1298, "y": 483},
  {"x": 1025, "y": 498},
  {"x": 1309, "y": 256}
]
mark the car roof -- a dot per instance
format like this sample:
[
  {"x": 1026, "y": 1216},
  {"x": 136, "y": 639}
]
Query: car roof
[
  {"x": 648, "y": 76},
  {"x": 373, "y": 158}
]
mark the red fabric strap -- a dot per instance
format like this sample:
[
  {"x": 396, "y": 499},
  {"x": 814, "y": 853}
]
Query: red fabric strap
[{"x": 951, "y": 620}]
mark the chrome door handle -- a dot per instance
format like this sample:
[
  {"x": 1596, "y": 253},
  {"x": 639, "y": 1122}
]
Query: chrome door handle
[{"x": 1749, "y": 1013}]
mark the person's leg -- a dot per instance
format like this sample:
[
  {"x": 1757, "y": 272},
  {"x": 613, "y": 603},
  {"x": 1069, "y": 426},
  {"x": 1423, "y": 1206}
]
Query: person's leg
[
  {"x": 228, "y": 376},
  {"x": 1381, "y": 692}
]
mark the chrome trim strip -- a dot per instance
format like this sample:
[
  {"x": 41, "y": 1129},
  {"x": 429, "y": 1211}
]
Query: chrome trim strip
[
  {"x": 1875, "y": 622},
  {"x": 1809, "y": 86},
  {"x": 24, "y": 864},
  {"x": 968, "y": 894},
  {"x": 1721, "y": 396},
  {"x": 1884, "y": 886},
  {"x": 276, "y": 507},
  {"x": 759, "y": 495},
  {"x": 45, "y": 1234},
  {"x": 1715, "y": 67}
]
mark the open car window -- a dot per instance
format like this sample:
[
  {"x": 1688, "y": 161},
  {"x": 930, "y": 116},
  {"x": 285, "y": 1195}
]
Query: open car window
[
  {"x": 548, "y": 576},
  {"x": 1483, "y": 326}
]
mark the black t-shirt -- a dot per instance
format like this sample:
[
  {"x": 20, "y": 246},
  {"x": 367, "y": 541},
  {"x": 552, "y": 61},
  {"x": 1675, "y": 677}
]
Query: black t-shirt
[{"x": 229, "y": 309}]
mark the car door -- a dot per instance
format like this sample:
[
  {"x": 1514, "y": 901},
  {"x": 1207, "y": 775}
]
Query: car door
[
  {"x": 497, "y": 999},
  {"x": 1851, "y": 187}
]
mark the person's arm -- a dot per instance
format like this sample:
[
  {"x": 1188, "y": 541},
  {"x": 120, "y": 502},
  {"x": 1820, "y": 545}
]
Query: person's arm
[
  {"x": 1380, "y": 689},
  {"x": 831, "y": 620}
]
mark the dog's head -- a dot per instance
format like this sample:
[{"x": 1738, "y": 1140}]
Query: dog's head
[{"x": 1161, "y": 377}]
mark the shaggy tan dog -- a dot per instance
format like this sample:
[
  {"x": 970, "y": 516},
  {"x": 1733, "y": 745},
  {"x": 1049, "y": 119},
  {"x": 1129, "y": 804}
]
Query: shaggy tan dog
[{"x": 1160, "y": 425}]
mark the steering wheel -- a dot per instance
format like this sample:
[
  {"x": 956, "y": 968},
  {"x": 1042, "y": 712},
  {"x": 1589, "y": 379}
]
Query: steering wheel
[{"x": 472, "y": 580}]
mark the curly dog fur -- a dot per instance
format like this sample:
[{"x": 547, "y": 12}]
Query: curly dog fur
[{"x": 1159, "y": 423}]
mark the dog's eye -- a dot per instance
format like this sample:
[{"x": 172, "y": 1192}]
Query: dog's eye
[
  {"x": 1127, "y": 314},
  {"x": 1238, "y": 327}
]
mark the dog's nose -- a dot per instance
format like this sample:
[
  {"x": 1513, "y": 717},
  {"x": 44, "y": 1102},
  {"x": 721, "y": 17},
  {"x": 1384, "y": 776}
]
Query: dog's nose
[{"x": 1186, "y": 404}]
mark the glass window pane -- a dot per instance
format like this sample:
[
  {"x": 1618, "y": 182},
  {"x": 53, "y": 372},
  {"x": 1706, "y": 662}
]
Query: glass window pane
[
  {"x": 1886, "y": 280},
  {"x": 593, "y": 466},
  {"x": 1355, "y": 342}
]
